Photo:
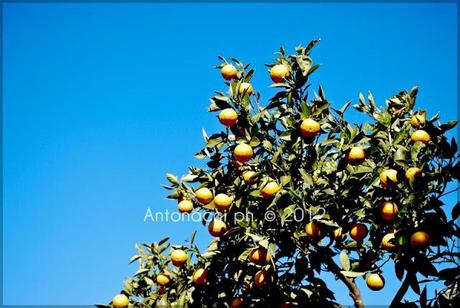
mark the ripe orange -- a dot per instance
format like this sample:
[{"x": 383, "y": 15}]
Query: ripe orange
[
  {"x": 263, "y": 278},
  {"x": 420, "y": 135},
  {"x": 249, "y": 176},
  {"x": 388, "y": 210},
  {"x": 178, "y": 257},
  {"x": 120, "y": 301},
  {"x": 270, "y": 190},
  {"x": 388, "y": 174},
  {"x": 418, "y": 119},
  {"x": 419, "y": 240},
  {"x": 185, "y": 206},
  {"x": 355, "y": 156},
  {"x": 217, "y": 227},
  {"x": 288, "y": 305},
  {"x": 386, "y": 242},
  {"x": 204, "y": 195},
  {"x": 243, "y": 152},
  {"x": 413, "y": 172},
  {"x": 200, "y": 276},
  {"x": 228, "y": 117},
  {"x": 279, "y": 72},
  {"x": 375, "y": 282},
  {"x": 245, "y": 87},
  {"x": 259, "y": 256},
  {"x": 163, "y": 280},
  {"x": 237, "y": 302},
  {"x": 338, "y": 234},
  {"x": 309, "y": 128},
  {"x": 229, "y": 72},
  {"x": 222, "y": 202},
  {"x": 313, "y": 230},
  {"x": 358, "y": 232}
]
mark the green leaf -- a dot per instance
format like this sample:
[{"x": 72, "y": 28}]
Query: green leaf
[
  {"x": 171, "y": 178},
  {"x": 344, "y": 260},
  {"x": 351, "y": 274}
]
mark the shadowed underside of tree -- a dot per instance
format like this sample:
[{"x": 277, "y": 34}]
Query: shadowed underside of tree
[{"x": 292, "y": 190}]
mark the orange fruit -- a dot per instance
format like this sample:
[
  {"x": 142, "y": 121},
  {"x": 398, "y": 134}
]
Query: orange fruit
[
  {"x": 313, "y": 230},
  {"x": 270, "y": 190},
  {"x": 279, "y": 72},
  {"x": 375, "y": 282},
  {"x": 388, "y": 174},
  {"x": 237, "y": 302},
  {"x": 420, "y": 135},
  {"x": 120, "y": 301},
  {"x": 185, "y": 206},
  {"x": 178, "y": 257},
  {"x": 288, "y": 305},
  {"x": 338, "y": 234},
  {"x": 388, "y": 210},
  {"x": 243, "y": 152},
  {"x": 200, "y": 277},
  {"x": 245, "y": 87},
  {"x": 355, "y": 156},
  {"x": 413, "y": 172},
  {"x": 418, "y": 119},
  {"x": 259, "y": 256},
  {"x": 358, "y": 232},
  {"x": 217, "y": 227},
  {"x": 222, "y": 202},
  {"x": 263, "y": 278},
  {"x": 229, "y": 72},
  {"x": 228, "y": 117},
  {"x": 249, "y": 176},
  {"x": 419, "y": 239},
  {"x": 309, "y": 128},
  {"x": 386, "y": 242},
  {"x": 204, "y": 195},
  {"x": 163, "y": 280}
]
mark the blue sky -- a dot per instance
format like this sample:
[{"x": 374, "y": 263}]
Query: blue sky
[{"x": 101, "y": 100}]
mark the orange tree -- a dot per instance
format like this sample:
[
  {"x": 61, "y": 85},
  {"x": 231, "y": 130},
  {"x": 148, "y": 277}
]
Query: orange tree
[{"x": 292, "y": 190}]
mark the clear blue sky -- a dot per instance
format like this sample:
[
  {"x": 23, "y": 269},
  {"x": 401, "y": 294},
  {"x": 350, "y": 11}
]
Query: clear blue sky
[{"x": 101, "y": 100}]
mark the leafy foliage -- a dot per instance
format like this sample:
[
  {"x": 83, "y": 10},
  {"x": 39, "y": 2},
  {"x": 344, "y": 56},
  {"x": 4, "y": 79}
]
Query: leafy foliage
[{"x": 318, "y": 182}]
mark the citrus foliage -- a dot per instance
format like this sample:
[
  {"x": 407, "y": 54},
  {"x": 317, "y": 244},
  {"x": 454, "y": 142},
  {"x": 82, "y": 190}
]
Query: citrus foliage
[{"x": 344, "y": 198}]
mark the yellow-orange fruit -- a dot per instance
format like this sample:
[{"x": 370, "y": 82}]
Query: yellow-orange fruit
[
  {"x": 217, "y": 227},
  {"x": 185, "y": 206},
  {"x": 386, "y": 241},
  {"x": 388, "y": 210},
  {"x": 419, "y": 239},
  {"x": 375, "y": 282},
  {"x": 358, "y": 232},
  {"x": 178, "y": 257},
  {"x": 420, "y": 135},
  {"x": 259, "y": 256},
  {"x": 313, "y": 230},
  {"x": 279, "y": 72},
  {"x": 229, "y": 72},
  {"x": 263, "y": 278},
  {"x": 163, "y": 280},
  {"x": 270, "y": 190},
  {"x": 222, "y": 202},
  {"x": 245, "y": 87},
  {"x": 228, "y": 117},
  {"x": 413, "y": 172},
  {"x": 418, "y": 120},
  {"x": 204, "y": 195},
  {"x": 309, "y": 128},
  {"x": 120, "y": 301},
  {"x": 200, "y": 277},
  {"x": 243, "y": 152},
  {"x": 388, "y": 174},
  {"x": 237, "y": 302},
  {"x": 249, "y": 176},
  {"x": 355, "y": 156}
]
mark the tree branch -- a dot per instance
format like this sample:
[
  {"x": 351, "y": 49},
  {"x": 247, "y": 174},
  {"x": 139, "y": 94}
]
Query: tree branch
[{"x": 401, "y": 292}]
